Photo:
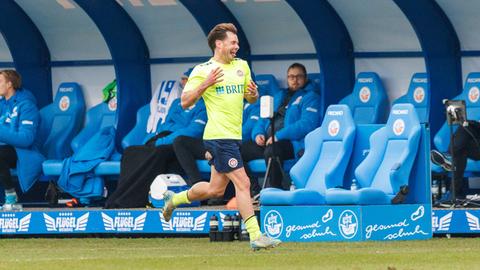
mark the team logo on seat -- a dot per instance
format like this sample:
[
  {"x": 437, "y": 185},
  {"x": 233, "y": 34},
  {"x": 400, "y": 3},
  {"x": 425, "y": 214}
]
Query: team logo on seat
[
  {"x": 419, "y": 94},
  {"x": 233, "y": 163},
  {"x": 473, "y": 94},
  {"x": 348, "y": 224},
  {"x": 398, "y": 127},
  {"x": 273, "y": 224},
  {"x": 333, "y": 128},
  {"x": 112, "y": 104},
  {"x": 64, "y": 103},
  {"x": 365, "y": 94}
]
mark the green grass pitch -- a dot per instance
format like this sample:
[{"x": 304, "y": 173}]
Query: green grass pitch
[{"x": 199, "y": 253}]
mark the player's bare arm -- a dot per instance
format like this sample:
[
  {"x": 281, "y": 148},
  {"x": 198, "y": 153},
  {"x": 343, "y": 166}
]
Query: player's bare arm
[
  {"x": 189, "y": 98},
  {"x": 251, "y": 95}
]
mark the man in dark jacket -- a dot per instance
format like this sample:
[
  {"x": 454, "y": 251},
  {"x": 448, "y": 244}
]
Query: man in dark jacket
[
  {"x": 296, "y": 114},
  {"x": 19, "y": 119}
]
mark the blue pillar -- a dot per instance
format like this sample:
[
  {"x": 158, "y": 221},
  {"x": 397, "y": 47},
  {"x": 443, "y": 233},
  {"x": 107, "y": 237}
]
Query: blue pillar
[
  {"x": 441, "y": 49},
  {"x": 130, "y": 57},
  {"x": 333, "y": 45},
  {"x": 29, "y": 51}
]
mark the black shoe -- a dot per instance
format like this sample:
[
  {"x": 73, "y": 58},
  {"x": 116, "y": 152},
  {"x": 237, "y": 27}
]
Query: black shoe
[{"x": 441, "y": 160}]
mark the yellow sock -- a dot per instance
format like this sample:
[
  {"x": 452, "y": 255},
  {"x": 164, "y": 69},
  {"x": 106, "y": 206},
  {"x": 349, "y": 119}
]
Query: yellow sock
[
  {"x": 180, "y": 198},
  {"x": 251, "y": 224}
]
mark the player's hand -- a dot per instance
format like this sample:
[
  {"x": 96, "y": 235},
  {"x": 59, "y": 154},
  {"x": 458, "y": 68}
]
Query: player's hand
[
  {"x": 270, "y": 140},
  {"x": 260, "y": 140},
  {"x": 252, "y": 90},
  {"x": 215, "y": 76},
  {"x": 208, "y": 156}
]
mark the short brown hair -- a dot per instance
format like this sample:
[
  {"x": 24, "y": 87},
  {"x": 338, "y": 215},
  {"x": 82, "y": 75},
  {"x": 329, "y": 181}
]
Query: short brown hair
[
  {"x": 13, "y": 77},
  {"x": 219, "y": 32}
]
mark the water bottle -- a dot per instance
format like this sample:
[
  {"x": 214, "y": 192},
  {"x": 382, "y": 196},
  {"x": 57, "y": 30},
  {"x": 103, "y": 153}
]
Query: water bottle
[
  {"x": 213, "y": 228},
  {"x": 443, "y": 188},
  {"x": 435, "y": 190},
  {"x": 244, "y": 236},
  {"x": 236, "y": 227},
  {"x": 227, "y": 232},
  {"x": 354, "y": 185},
  {"x": 292, "y": 186}
]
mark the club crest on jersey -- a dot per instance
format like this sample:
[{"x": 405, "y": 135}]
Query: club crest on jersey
[
  {"x": 239, "y": 73},
  {"x": 233, "y": 163},
  {"x": 398, "y": 127},
  {"x": 333, "y": 128},
  {"x": 365, "y": 94},
  {"x": 64, "y": 103},
  {"x": 473, "y": 94},
  {"x": 419, "y": 95}
]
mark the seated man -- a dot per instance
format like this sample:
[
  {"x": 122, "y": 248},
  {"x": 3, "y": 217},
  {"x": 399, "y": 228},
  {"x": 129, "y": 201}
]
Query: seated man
[
  {"x": 467, "y": 145},
  {"x": 189, "y": 149},
  {"x": 141, "y": 164},
  {"x": 295, "y": 116},
  {"x": 19, "y": 118}
]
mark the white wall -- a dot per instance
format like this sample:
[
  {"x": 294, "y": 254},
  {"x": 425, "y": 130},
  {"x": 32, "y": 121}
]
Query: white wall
[
  {"x": 394, "y": 72},
  {"x": 279, "y": 68},
  {"x": 463, "y": 14},
  {"x": 92, "y": 80},
  {"x": 69, "y": 33},
  {"x": 272, "y": 27},
  {"x": 5, "y": 55},
  {"x": 169, "y": 30},
  {"x": 376, "y": 25}
]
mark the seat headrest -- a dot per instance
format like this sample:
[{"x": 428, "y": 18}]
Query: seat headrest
[
  {"x": 338, "y": 119},
  {"x": 267, "y": 84},
  {"x": 419, "y": 89},
  {"x": 471, "y": 90},
  {"x": 402, "y": 121},
  {"x": 368, "y": 88},
  {"x": 317, "y": 81},
  {"x": 68, "y": 96}
]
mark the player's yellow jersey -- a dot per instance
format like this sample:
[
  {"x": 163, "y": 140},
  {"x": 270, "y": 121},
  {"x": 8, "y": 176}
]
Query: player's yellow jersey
[{"x": 224, "y": 100}]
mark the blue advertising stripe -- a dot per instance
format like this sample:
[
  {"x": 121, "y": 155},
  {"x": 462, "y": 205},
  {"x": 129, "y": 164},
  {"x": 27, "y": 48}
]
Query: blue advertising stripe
[
  {"x": 456, "y": 221},
  {"x": 109, "y": 221},
  {"x": 312, "y": 223},
  {"x": 404, "y": 222}
]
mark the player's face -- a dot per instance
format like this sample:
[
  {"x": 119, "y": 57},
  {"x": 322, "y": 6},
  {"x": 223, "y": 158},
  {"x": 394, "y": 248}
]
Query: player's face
[
  {"x": 4, "y": 85},
  {"x": 296, "y": 79},
  {"x": 229, "y": 46}
]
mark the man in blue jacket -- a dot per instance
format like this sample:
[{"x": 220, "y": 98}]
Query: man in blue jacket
[
  {"x": 19, "y": 119},
  {"x": 141, "y": 164},
  {"x": 296, "y": 114}
]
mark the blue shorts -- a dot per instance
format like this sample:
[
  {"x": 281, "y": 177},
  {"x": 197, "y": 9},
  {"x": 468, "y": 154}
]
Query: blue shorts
[{"x": 226, "y": 154}]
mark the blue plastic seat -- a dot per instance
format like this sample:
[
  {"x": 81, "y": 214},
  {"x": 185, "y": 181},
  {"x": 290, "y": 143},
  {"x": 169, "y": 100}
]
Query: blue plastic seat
[
  {"x": 471, "y": 94},
  {"x": 61, "y": 121},
  {"x": 267, "y": 84},
  {"x": 317, "y": 81},
  {"x": 327, "y": 153},
  {"x": 137, "y": 135},
  {"x": 418, "y": 95},
  {"x": 387, "y": 167},
  {"x": 368, "y": 101},
  {"x": 98, "y": 117}
]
